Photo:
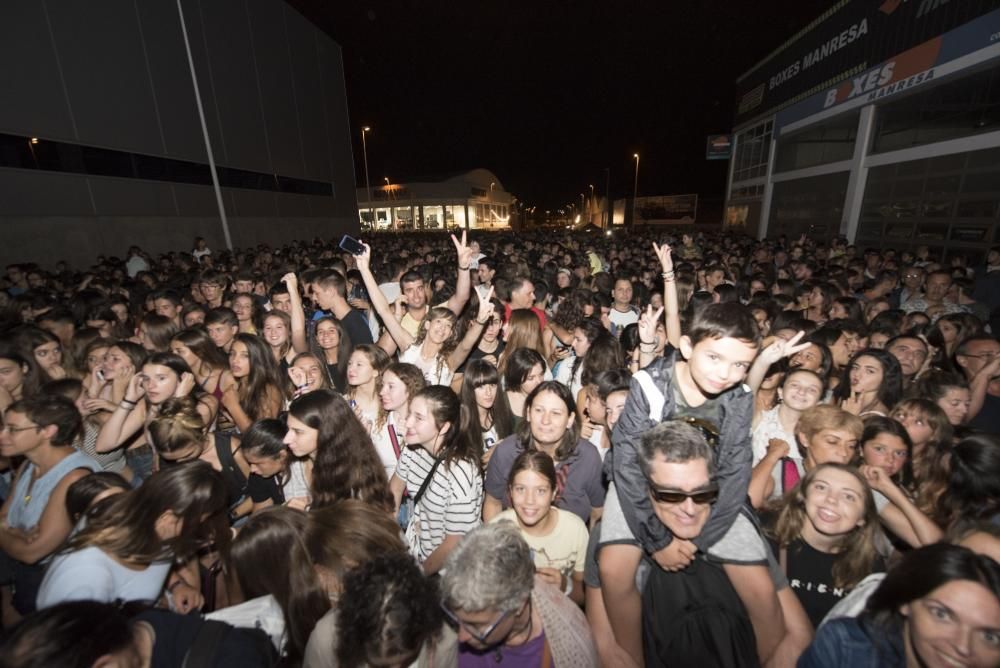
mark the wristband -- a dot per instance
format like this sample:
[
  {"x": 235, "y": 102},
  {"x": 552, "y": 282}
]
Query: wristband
[
  {"x": 129, "y": 401},
  {"x": 667, "y": 275},
  {"x": 461, "y": 268},
  {"x": 482, "y": 322}
]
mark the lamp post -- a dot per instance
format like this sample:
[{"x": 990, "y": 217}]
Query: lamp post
[
  {"x": 635, "y": 185},
  {"x": 583, "y": 204},
  {"x": 368, "y": 185}
]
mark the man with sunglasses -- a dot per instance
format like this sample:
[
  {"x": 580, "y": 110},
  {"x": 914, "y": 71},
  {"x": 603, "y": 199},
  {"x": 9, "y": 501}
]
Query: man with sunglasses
[{"x": 678, "y": 464}]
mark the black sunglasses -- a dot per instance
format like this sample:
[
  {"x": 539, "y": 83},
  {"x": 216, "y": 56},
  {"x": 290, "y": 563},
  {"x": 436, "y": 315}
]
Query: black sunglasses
[
  {"x": 707, "y": 429},
  {"x": 701, "y": 497}
]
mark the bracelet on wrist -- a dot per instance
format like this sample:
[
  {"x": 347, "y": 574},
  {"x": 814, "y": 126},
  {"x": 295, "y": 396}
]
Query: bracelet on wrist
[
  {"x": 667, "y": 275},
  {"x": 466, "y": 268},
  {"x": 482, "y": 322}
]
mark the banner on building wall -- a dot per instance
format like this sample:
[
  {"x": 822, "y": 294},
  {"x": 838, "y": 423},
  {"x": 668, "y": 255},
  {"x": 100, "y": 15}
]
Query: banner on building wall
[
  {"x": 973, "y": 43},
  {"x": 848, "y": 37},
  {"x": 719, "y": 147},
  {"x": 666, "y": 209}
]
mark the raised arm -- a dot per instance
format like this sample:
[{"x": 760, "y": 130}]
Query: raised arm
[
  {"x": 647, "y": 336},
  {"x": 771, "y": 354},
  {"x": 402, "y": 338},
  {"x": 475, "y": 330},
  {"x": 299, "y": 342},
  {"x": 671, "y": 306},
  {"x": 901, "y": 516},
  {"x": 980, "y": 385},
  {"x": 463, "y": 286},
  {"x": 127, "y": 418}
]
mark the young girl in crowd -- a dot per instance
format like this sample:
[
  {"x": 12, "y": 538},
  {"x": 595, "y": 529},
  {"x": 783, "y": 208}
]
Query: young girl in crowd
[
  {"x": 163, "y": 376},
  {"x": 949, "y": 391},
  {"x": 489, "y": 348},
  {"x": 289, "y": 477},
  {"x": 549, "y": 426},
  {"x": 43, "y": 348},
  {"x": 17, "y": 378},
  {"x": 492, "y": 416},
  {"x": 308, "y": 373},
  {"x": 253, "y": 388},
  {"x": 268, "y": 557},
  {"x": 335, "y": 350},
  {"x": 127, "y": 551},
  {"x": 323, "y": 427},
  {"x": 825, "y": 536},
  {"x": 400, "y": 382},
  {"x": 436, "y": 349},
  {"x": 931, "y": 435},
  {"x": 525, "y": 370},
  {"x": 558, "y": 539},
  {"x": 777, "y": 460},
  {"x": 871, "y": 383},
  {"x": 179, "y": 434},
  {"x": 364, "y": 375},
  {"x": 207, "y": 362},
  {"x": 885, "y": 454},
  {"x": 155, "y": 332},
  {"x": 72, "y": 389},
  {"x": 440, "y": 471},
  {"x": 277, "y": 331}
]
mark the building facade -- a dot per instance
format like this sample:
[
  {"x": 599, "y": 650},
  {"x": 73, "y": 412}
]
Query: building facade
[
  {"x": 879, "y": 121},
  {"x": 105, "y": 144},
  {"x": 474, "y": 200}
]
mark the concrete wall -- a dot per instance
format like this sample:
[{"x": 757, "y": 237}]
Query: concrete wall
[{"x": 114, "y": 74}]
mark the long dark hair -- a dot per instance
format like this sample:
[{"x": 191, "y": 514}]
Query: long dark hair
[
  {"x": 890, "y": 390},
  {"x": 198, "y": 341},
  {"x": 918, "y": 573},
  {"x": 347, "y": 465},
  {"x": 520, "y": 362},
  {"x": 262, "y": 379},
  {"x": 125, "y": 527},
  {"x": 974, "y": 487},
  {"x": 875, "y": 425},
  {"x": 269, "y": 556},
  {"x": 457, "y": 444},
  {"x": 569, "y": 441},
  {"x": 479, "y": 373},
  {"x": 344, "y": 349}
]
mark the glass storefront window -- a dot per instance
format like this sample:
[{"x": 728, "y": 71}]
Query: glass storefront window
[
  {"x": 753, "y": 146},
  {"x": 434, "y": 217},
  {"x": 383, "y": 218},
  {"x": 968, "y": 106},
  {"x": 454, "y": 216},
  {"x": 403, "y": 217},
  {"x": 812, "y": 206},
  {"x": 821, "y": 144}
]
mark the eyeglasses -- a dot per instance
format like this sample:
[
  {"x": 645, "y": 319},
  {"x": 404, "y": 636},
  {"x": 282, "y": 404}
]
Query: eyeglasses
[
  {"x": 700, "y": 497},
  {"x": 474, "y": 632},
  {"x": 15, "y": 430}
]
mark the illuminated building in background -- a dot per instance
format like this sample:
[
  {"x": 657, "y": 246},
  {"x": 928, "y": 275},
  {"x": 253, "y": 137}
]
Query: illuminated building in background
[{"x": 474, "y": 200}]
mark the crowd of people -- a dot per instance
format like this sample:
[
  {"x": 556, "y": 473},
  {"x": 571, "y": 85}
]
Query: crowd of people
[{"x": 645, "y": 449}]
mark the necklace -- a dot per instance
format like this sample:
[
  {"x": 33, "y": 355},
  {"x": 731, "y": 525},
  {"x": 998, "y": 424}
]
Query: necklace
[{"x": 31, "y": 484}]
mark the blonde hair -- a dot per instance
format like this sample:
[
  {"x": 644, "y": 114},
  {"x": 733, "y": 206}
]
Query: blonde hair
[{"x": 823, "y": 417}]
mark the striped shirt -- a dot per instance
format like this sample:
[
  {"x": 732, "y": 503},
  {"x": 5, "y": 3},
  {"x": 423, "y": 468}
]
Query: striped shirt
[{"x": 451, "y": 504}]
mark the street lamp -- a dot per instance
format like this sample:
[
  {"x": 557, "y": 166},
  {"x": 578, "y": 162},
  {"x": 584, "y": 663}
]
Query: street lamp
[
  {"x": 583, "y": 203},
  {"x": 368, "y": 185},
  {"x": 635, "y": 185}
]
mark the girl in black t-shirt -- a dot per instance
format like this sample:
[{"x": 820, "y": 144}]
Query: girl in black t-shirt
[{"x": 824, "y": 536}]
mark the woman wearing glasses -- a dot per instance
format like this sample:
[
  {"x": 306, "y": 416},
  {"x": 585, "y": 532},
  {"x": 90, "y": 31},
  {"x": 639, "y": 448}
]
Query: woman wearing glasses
[
  {"x": 558, "y": 539},
  {"x": 504, "y": 613}
]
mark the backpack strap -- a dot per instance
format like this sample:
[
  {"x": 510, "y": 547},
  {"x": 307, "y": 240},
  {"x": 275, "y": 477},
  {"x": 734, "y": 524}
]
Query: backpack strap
[
  {"x": 201, "y": 653},
  {"x": 426, "y": 482},
  {"x": 653, "y": 395}
]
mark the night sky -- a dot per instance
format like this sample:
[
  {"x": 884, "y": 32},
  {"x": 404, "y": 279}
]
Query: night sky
[{"x": 548, "y": 93}]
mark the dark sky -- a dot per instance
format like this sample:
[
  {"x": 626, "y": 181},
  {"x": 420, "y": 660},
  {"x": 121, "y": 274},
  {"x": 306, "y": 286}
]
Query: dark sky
[{"x": 548, "y": 93}]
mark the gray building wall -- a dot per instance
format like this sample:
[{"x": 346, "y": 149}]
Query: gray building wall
[{"x": 114, "y": 74}]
